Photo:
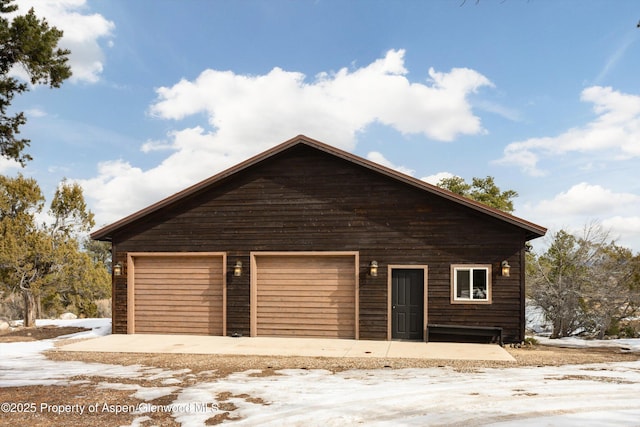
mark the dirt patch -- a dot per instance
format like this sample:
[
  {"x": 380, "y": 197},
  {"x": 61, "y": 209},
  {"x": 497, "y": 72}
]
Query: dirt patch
[
  {"x": 75, "y": 405},
  {"x": 556, "y": 356},
  {"x": 613, "y": 380},
  {"x": 40, "y": 333}
]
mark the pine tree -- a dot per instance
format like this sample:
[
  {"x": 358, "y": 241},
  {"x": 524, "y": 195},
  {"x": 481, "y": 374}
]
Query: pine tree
[{"x": 28, "y": 45}]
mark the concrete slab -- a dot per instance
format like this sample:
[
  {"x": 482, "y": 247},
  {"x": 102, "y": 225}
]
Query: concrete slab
[{"x": 307, "y": 347}]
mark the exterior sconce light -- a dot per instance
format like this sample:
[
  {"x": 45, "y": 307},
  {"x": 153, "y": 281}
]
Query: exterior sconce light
[
  {"x": 505, "y": 268},
  {"x": 237, "y": 269},
  {"x": 373, "y": 269},
  {"x": 117, "y": 269}
]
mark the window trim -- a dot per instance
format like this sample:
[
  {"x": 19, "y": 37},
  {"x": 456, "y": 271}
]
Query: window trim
[{"x": 471, "y": 267}]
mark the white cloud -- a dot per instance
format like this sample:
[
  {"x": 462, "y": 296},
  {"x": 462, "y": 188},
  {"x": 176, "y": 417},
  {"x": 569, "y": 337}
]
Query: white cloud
[
  {"x": 82, "y": 33},
  {"x": 584, "y": 203},
  {"x": 151, "y": 145},
  {"x": 282, "y": 103},
  {"x": 436, "y": 178},
  {"x": 120, "y": 188},
  {"x": 615, "y": 132},
  {"x": 7, "y": 165},
  {"x": 377, "y": 157},
  {"x": 35, "y": 112},
  {"x": 626, "y": 228},
  {"x": 119, "y": 195},
  {"x": 249, "y": 114},
  {"x": 589, "y": 200}
]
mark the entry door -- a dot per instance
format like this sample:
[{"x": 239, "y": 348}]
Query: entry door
[{"x": 407, "y": 304}]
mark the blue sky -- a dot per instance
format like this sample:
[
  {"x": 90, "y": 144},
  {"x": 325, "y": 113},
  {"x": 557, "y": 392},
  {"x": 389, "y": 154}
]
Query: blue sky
[{"x": 543, "y": 95}]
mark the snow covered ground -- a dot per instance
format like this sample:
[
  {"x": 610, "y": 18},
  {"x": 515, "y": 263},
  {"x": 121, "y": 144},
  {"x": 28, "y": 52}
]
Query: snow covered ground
[{"x": 573, "y": 395}]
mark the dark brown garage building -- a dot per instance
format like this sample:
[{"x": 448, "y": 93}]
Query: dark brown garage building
[{"x": 306, "y": 240}]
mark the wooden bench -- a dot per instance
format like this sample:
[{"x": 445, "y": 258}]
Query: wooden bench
[{"x": 492, "y": 332}]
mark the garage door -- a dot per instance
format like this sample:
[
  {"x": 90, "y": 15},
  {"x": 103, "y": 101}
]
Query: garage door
[
  {"x": 304, "y": 296},
  {"x": 177, "y": 294}
]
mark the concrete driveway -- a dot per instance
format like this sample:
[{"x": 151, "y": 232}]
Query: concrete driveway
[{"x": 309, "y": 347}]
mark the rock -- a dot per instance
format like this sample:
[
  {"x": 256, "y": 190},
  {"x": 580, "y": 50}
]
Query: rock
[
  {"x": 68, "y": 316},
  {"x": 4, "y": 325}
]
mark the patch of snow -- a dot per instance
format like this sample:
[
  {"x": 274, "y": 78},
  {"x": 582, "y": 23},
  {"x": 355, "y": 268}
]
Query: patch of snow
[
  {"x": 535, "y": 319},
  {"x": 605, "y": 394},
  {"x": 68, "y": 316},
  {"x": 142, "y": 393},
  {"x": 628, "y": 344},
  {"x": 99, "y": 327},
  {"x": 23, "y": 364},
  {"x": 438, "y": 396}
]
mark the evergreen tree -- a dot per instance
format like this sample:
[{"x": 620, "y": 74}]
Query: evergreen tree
[
  {"x": 483, "y": 190},
  {"x": 44, "y": 263},
  {"x": 29, "y": 44}
]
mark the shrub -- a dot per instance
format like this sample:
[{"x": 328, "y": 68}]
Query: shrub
[{"x": 104, "y": 307}]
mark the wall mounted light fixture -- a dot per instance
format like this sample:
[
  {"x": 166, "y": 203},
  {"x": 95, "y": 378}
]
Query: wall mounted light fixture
[
  {"x": 373, "y": 269},
  {"x": 237, "y": 269},
  {"x": 117, "y": 269},
  {"x": 505, "y": 268}
]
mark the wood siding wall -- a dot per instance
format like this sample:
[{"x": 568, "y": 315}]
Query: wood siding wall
[{"x": 307, "y": 200}]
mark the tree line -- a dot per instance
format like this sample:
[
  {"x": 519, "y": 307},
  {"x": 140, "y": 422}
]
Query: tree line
[{"x": 44, "y": 265}]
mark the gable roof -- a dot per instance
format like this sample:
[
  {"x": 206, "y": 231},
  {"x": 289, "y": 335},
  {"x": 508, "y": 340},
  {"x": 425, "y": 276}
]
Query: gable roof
[{"x": 533, "y": 230}]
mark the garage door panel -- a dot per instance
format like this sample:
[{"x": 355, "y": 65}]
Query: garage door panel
[
  {"x": 161, "y": 260},
  {"x": 325, "y": 296},
  {"x": 305, "y": 295},
  {"x": 306, "y": 333},
  {"x": 192, "y": 302},
  {"x": 279, "y": 299},
  {"x": 310, "y": 310},
  {"x": 179, "y": 269},
  {"x": 185, "y": 283},
  {"x": 309, "y": 324},
  {"x": 198, "y": 319},
  {"x": 305, "y": 304},
  {"x": 183, "y": 330},
  {"x": 152, "y": 291},
  {"x": 178, "y": 294},
  {"x": 287, "y": 274},
  {"x": 311, "y": 329},
  {"x": 176, "y": 278},
  {"x": 212, "y": 297},
  {"x": 164, "y": 308}
]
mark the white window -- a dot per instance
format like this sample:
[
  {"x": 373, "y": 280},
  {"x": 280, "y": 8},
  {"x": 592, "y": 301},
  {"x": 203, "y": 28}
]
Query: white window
[{"x": 471, "y": 283}]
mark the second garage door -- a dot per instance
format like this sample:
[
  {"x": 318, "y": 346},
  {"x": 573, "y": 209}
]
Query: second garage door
[{"x": 304, "y": 295}]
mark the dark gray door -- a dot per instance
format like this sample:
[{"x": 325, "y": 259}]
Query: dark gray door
[{"x": 407, "y": 304}]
